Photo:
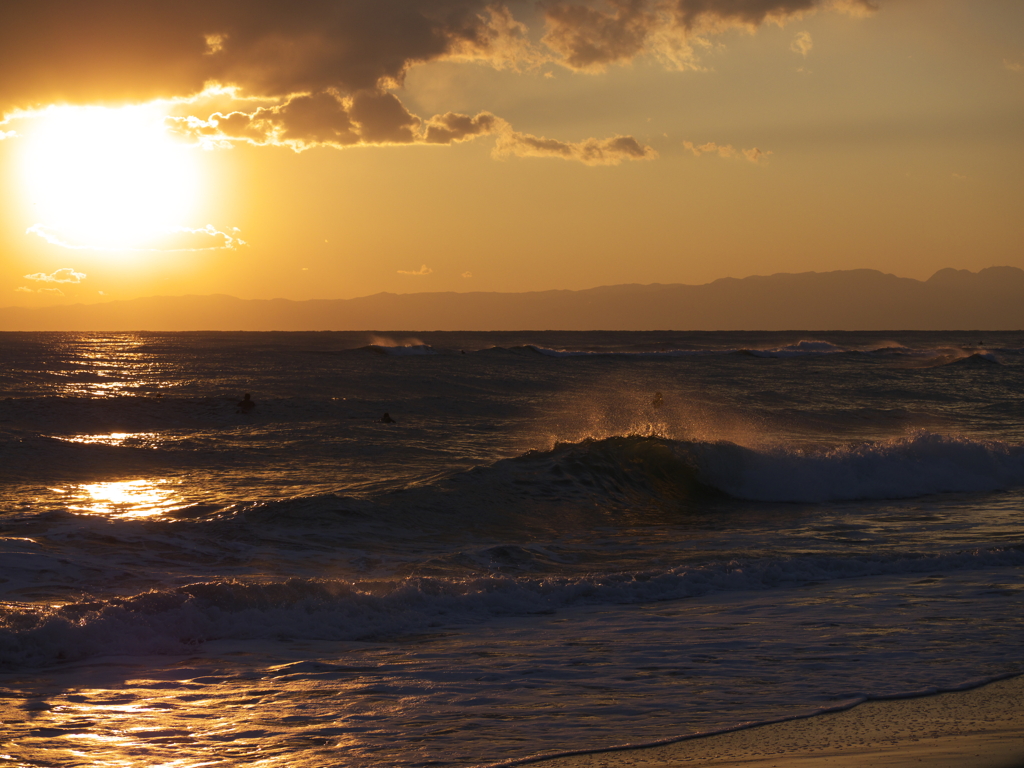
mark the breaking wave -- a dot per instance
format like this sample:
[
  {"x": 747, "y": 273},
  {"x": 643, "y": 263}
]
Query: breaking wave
[{"x": 907, "y": 467}]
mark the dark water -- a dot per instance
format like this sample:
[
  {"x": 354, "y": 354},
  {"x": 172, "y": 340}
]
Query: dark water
[{"x": 565, "y": 540}]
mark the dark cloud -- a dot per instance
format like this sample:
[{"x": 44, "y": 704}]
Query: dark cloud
[
  {"x": 321, "y": 72},
  {"x": 104, "y": 50},
  {"x": 588, "y": 37},
  {"x": 322, "y": 119},
  {"x": 591, "y": 35},
  {"x": 383, "y": 119},
  {"x": 371, "y": 118},
  {"x": 452, "y": 127},
  {"x": 327, "y": 119},
  {"x": 300, "y": 122},
  {"x": 109, "y": 50}
]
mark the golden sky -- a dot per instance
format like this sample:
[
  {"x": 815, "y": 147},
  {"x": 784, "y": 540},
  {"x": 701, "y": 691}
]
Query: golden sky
[{"x": 339, "y": 148}]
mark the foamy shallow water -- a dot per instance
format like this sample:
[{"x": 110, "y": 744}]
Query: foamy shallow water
[
  {"x": 467, "y": 695},
  {"x": 540, "y": 555}
]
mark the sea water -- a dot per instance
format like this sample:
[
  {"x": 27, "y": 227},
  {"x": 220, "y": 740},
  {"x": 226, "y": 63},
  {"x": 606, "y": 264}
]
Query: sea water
[{"x": 565, "y": 541}]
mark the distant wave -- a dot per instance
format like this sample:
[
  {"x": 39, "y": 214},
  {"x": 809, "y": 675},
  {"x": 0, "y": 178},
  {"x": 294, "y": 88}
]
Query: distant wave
[
  {"x": 400, "y": 349},
  {"x": 176, "y": 620},
  {"x": 977, "y": 360},
  {"x": 800, "y": 349},
  {"x": 804, "y": 348}
]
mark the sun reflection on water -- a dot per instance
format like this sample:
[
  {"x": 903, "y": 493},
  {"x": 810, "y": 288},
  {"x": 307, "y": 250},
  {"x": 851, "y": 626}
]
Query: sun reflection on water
[
  {"x": 138, "y": 439},
  {"x": 125, "y": 499},
  {"x": 101, "y": 366}
]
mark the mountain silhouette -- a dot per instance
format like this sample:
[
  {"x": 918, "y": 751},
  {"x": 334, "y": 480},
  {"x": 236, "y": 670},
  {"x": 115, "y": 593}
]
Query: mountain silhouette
[{"x": 860, "y": 299}]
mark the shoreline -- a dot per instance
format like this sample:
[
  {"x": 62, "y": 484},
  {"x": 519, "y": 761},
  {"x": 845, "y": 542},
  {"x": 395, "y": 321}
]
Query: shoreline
[{"x": 982, "y": 727}]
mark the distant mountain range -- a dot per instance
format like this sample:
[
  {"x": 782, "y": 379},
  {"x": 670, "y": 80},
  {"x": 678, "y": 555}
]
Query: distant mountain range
[{"x": 860, "y": 299}]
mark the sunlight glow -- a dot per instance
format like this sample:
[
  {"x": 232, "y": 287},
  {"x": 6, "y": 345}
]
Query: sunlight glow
[{"x": 104, "y": 178}]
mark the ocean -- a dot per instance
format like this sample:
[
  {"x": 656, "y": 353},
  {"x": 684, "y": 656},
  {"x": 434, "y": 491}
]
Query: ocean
[{"x": 561, "y": 542}]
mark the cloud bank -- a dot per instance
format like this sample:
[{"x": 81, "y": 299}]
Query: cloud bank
[
  {"x": 67, "y": 50},
  {"x": 326, "y": 70}
]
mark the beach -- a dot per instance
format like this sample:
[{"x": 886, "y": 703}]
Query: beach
[{"x": 979, "y": 728}]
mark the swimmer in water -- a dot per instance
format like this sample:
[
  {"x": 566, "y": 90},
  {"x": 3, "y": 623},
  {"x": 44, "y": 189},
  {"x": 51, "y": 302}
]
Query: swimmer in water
[
  {"x": 658, "y": 401},
  {"x": 246, "y": 404},
  {"x": 386, "y": 419}
]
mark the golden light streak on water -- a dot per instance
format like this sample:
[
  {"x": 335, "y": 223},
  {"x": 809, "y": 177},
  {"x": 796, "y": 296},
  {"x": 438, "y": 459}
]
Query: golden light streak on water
[
  {"x": 114, "y": 438},
  {"x": 126, "y": 498}
]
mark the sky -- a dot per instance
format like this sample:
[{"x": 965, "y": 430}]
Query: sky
[{"x": 335, "y": 149}]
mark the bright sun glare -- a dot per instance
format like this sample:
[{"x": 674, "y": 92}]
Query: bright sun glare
[{"x": 108, "y": 178}]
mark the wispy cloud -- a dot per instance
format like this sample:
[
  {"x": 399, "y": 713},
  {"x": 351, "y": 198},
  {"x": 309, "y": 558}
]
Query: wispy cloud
[
  {"x": 1013, "y": 66},
  {"x": 26, "y": 289},
  {"x": 183, "y": 239},
  {"x": 754, "y": 154},
  {"x": 802, "y": 44},
  {"x": 423, "y": 270},
  {"x": 727, "y": 151},
  {"x": 589, "y": 151}
]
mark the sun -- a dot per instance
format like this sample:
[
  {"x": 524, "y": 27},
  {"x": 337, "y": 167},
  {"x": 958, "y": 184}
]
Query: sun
[{"x": 108, "y": 179}]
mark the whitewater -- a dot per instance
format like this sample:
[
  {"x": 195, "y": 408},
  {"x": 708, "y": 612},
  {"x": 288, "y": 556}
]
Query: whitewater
[{"x": 564, "y": 541}]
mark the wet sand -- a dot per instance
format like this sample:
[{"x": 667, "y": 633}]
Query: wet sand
[{"x": 979, "y": 728}]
